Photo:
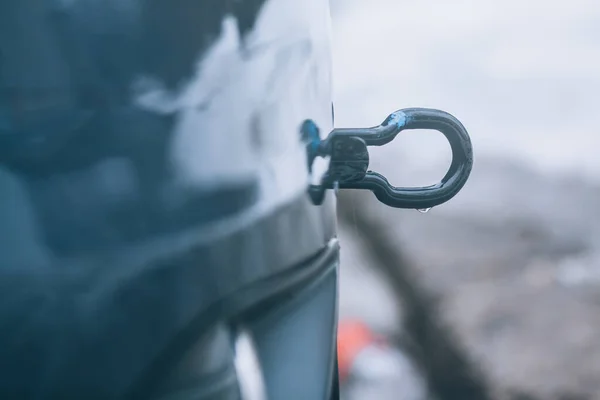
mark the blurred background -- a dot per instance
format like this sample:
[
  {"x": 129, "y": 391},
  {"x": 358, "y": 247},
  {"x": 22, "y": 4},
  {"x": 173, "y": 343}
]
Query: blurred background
[{"x": 513, "y": 262}]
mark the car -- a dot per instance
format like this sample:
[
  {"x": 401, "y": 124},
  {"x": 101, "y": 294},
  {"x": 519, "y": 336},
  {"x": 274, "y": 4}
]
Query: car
[{"x": 166, "y": 171}]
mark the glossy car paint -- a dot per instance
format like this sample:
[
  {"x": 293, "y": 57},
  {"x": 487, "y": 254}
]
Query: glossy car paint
[{"x": 152, "y": 197}]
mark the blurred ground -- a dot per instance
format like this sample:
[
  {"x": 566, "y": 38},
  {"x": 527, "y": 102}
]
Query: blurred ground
[{"x": 515, "y": 257}]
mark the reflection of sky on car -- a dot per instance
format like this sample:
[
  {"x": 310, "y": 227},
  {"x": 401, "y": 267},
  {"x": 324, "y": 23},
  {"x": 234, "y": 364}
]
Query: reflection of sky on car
[{"x": 250, "y": 95}]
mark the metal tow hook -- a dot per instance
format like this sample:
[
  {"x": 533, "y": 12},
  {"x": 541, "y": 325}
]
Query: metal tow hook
[{"x": 349, "y": 158}]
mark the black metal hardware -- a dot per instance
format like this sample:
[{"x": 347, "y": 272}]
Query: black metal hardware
[{"x": 349, "y": 158}]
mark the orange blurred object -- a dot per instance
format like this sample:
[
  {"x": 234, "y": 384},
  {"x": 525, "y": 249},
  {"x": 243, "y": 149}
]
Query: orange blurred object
[{"x": 353, "y": 336}]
